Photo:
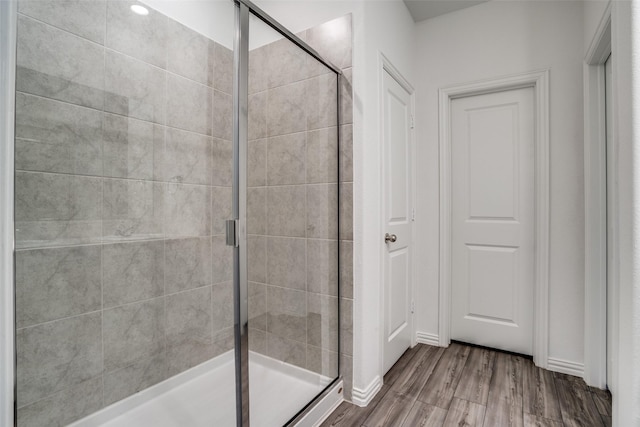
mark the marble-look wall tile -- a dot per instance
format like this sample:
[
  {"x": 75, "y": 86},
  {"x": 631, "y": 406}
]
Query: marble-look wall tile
[
  {"x": 189, "y": 53},
  {"x": 322, "y": 101},
  {"x": 287, "y": 159},
  {"x": 57, "y": 209},
  {"x": 346, "y": 211},
  {"x": 346, "y": 153},
  {"x": 222, "y": 162},
  {"x": 258, "y": 306},
  {"x": 281, "y": 300},
  {"x": 45, "y": 68},
  {"x": 189, "y": 105},
  {"x": 286, "y": 262},
  {"x": 186, "y": 158},
  {"x": 257, "y": 258},
  {"x": 133, "y": 210},
  {"x": 54, "y": 136},
  {"x": 333, "y": 40},
  {"x": 322, "y": 361},
  {"x": 286, "y": 207},
  {"x": 258, "y": 80},
  {"x": 346, "y": 371},
  {"x": 346, "y": 326},
  {"x": 287, "y": 325},
  {"x": 222, "y": 306},
  {"x": 322, "y": 328},
  {"x": 256, "y": 210},
  {"x": 322, "y": 266},
  {"x": 187, "y": 355},
  {"x": 223, "y": 68},
  {"x": 222, "y": 260},
  {"x": 189, "y": 329},
  {"x": 143, "y": 37},
  {"x": 257, "y": 163},
  {"x": 187, "y": 210},
  {"x": 187, "y": 264},
  {"x": 223, "y": 341},
  {"x": 131, "y": 147},
  {"x": 64, "y": 407},
  {"x": 132, "y": 272},
  {"x": 346, "y": 97},
  {"x": 286, "y": 350},
  {"x": 322, "y": 214},
  {"x": 286, "y": 63},
  {"x": 80, "y": 17},
  {"x": 134, "y": 88},
  {"x": 189, "y": 317},
  {"x": 56, "y": 355},
  {"x": 346, "y": 269},
  {"x": 222, "y": 115},
  {"x": 257, "y": 115},
  {"x": 258, "y": 341},
  {"x": 133, "y": 332},
  {"x": 143, "y": 374},
  {"x": 286, "y": 109},
  {"x": 322, "y": 155},
  {"x": 56, "y": 283},
  {"x": 221, "y": 199}
]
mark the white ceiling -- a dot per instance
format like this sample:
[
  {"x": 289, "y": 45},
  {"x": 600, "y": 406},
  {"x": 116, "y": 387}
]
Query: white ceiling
[{"x": 425, "y": 9}]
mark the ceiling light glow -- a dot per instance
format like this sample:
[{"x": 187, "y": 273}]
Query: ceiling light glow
[{"x": 140, "y": 10}]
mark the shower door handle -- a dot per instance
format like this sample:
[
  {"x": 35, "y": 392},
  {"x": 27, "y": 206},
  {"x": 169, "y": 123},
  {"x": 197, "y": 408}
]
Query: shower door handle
[{"x": 390, "y": 238}]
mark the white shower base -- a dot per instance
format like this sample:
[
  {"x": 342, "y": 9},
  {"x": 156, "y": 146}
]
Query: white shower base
[{"x": 204, "y": 396}]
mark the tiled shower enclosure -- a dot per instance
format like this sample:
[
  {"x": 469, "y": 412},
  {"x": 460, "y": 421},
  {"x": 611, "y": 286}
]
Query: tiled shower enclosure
[{"x": 123, "y": 158}]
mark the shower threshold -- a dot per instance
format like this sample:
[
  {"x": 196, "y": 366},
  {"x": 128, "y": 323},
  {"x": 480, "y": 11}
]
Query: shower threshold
[{"x": 204, "y": 396}]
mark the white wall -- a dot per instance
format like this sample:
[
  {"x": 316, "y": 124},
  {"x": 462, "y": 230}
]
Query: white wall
[
  {"x": 486, "y": 41},
  {"x": 211, "y": 18},
  {"x": 378, "y": 26}
]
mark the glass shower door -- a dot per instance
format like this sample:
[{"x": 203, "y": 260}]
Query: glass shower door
[
  {"x": 291, "y": 225},
  {"x": 123, "y": 159}
]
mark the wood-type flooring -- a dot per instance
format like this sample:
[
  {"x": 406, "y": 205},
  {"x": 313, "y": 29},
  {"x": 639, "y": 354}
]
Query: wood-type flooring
[{"x": 472, "y": 386}]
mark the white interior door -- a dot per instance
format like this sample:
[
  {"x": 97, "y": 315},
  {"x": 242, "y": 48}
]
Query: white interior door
[
  {"x": 492, "y": 224},
  {"x": 397, "y": 211}
]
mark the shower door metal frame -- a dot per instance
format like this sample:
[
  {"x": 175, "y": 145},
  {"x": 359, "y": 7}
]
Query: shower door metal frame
[
  {"x": 236, "y": 229},
  {"x": 8, "y": 47}
]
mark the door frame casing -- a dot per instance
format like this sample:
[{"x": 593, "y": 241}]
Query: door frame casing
[
  {"x": 595, "y": 199},
  {"x": 539, "y": 81},
  {"x": 385, "y": 65}
]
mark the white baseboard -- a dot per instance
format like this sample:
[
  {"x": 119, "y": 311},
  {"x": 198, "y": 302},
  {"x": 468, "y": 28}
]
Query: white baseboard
[
  {"x": 565, "y": 367},
  {"x": 362, "y": 397},
  {"x": 427, "y": 338}
]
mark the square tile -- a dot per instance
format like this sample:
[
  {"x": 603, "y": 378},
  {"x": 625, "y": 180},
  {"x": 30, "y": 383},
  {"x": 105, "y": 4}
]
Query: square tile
[
  {"x": 56, "y": 283},
  {"x": 56, "y": 355},
  {"x": 54, "y": 136},
  {"x": 45, "y": 68},
  {"x": 133, "y": 332},
  {"x": 133, "y": 272},
  {"x": 143, "y": 37}
]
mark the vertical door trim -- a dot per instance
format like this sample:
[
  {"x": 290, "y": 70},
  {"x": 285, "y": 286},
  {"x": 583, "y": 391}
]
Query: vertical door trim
[
  {"x": 539, "y": 81},
  {"x": 387, "y": 66},
  {"x": 8, "y": 31},
  {"x": 595, "y": 199}
]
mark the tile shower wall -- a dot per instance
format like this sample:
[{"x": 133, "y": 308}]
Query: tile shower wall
[
  {"x": 292, "y": 202},
  {"x": 123, "y": 160}
]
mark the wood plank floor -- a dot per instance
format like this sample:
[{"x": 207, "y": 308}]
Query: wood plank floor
[{"x": 471, "y": 386}]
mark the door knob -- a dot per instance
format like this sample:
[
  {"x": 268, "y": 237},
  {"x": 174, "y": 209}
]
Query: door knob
[{"x": 390, "y": 238}]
